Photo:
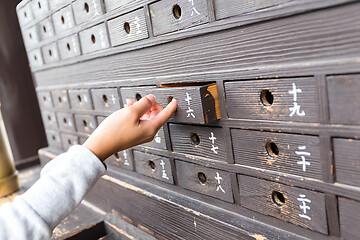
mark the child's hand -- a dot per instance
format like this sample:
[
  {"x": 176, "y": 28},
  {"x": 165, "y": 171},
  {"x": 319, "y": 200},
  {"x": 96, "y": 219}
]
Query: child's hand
[{"x": 135, "y": 124}]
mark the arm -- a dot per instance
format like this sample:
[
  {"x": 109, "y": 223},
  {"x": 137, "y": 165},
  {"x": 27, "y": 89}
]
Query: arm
[{"x": 65, "y": 180}]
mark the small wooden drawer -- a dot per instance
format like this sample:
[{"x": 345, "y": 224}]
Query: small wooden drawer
[
  {"x": 25, "y": 14},
  {"x": 60, "y": 99},
  {"x": 208, "y": 142},
  {"x": 69, "y": 47},
  {"x": 49, "y": 120},
  {"x": 35, "y": 58},
  {"x": 135, "y": 93},
  {"x": 349, "y": 213},
  {"x": 63, "y": 19},
  {"x": 123, "y": 159},
  {"x": 344, "y": 99},
  {"x": 291, "y": 204},
  {"x": 208, "y": 181},
  {"x": 347, "y": 163},
  {"x": 99, "y": 119},
  {"x": 31, "y": 36},
  {"x": 86, "y": 10},
  {"x": 229, "y": 8},
  {"x": 46, "y": 29},
  {"x": 80, "y": 99},
  {"x": 113, "y": 4},
  {"x": 153, "y": 166},
  {"x": 53, "y": 139},
  {"x": 94, "y": 39},
  {"x": 66, "y": 121},
  {"x": 279, "y": 99},
  {"x": 171, "y": 15},
  {"x": 45, "y": 99},
  {"x": 158, "y": 141},
  {"x": 40, "y": 7},
  {"x": 85, "y": 123},
  {"x": 69, "y": 140},
  {"x": 50, "y": 53},
  {"x": 288, "y": 153},
  {"x": 54, "y": 4},
  {"x": 106, "y": 99},
  {"x": 128, "y": 28}
]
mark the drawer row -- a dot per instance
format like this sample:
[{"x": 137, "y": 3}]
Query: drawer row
[{"x": 292, "y": 99}]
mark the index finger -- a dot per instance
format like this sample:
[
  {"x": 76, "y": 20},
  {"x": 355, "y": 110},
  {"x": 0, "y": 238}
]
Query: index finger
[{"x": 165, "y": 114}]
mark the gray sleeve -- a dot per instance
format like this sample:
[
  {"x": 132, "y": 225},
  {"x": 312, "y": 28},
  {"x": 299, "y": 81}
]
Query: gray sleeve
[{"x": 62, "y": 185}]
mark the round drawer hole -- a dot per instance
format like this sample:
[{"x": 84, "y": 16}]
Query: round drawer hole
[
  {"x": 59, "y": 99},
  {"x": 278, "y": 198},
  {"x": 272, "y": 149},
  {"x": 127, "y": 27},
  {"x": 39, "y": 5},
  {"x": 49, "y": 117},
  {"x": 176, "y": 11},
  {"x": 105, "y": 99},
  {"x": 85, "y": 123},
  {"x": 266, "y": 97},
  {"x": 44, "y": 28},
  {"x": 152, "y": 165},
  {"x": 62, "y": 19},
  {"x": 195, "y": 139},
  {"x": 50, "y": 52},
  {"x": 30, "y": 36},
  {"x": 86, "y": 7},
  {"x": 79, "y": 98},
  {"x": 65, "y": 120},
  {"x": 116, "y": 155},
  {"x": 93, "y": 39},
  {"x": 202, "y": 177},
  {"x": 138, "y": 96}
]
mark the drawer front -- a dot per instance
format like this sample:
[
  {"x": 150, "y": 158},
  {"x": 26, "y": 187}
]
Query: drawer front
[
  {"x": 69, "y": 47},
  {"x": 53, "y": 139},
  {"x": 85, "y": 10},
  {"x": 123, "y": 159},
  {"x": 63, "y": 19},
  {"x": 50, "y": 53},
  {"x": 60, "y": 99},
  {"x": 25, "y": 14},
  {"x": 347, "y": 161},
  {"x": 49, "y": 120},
  {"x": 106, "y": 99},
  {"x": 46, "y": 29},
  {"x": 85, "y": 123},
  {"x": 171, "y": 15},
  {"x": 158, "y": 141},
  {"x": 299, "y": 206},
  {"x": 80, "y": 99},
  {"x": 68, "y": 140},
  {"x": 31, "y": 36},
  {"x": 208, "y": 142},
  {"x": 285, "y": 99},
  {"x": 229, "y": 8},
  {"x": 35, "y": 58},
  {"x": 208, "y": 181},
  {"x": 94, "y": 39},
  {"x": 288, "y": 153},
  {"x": 136, "y": 93},
  {"x": 128, "y": 28},
  {"x": 113, "y": 4},
  {"x": 99, "y": 119},
  {"x": 54, "y": 4},
  {"x": 344, "y": 99},
  {"x": 66, "y": 121},
  {"x": 40, "y": 7},
  {"x": 349, "y": 213},
  {"x": 153, "y": 166},
  {"x": 45, "y": 99}
]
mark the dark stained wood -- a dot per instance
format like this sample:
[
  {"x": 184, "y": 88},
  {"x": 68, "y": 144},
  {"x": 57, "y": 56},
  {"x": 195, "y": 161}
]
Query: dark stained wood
[
  {"x": 279, "y": 152},
  {"x": 105, "y": 99},
  {"x": 49, "y": 120},
  {"x": 123, "y": 159},
  {"x": 85, "y": 123},
  {"x": 284, "y": 202},
  {"x": 80, "y": 99},
  {"x": 198, "y": 140},
  {"x": 204, "y": 180},
  {"x": 66, "y": 121},
  {"x": 349, "y": 212},
  {"x": 68, "y": 140},
  {"x": 344, "y": 99},
  {"x": 60, "y": 99}
]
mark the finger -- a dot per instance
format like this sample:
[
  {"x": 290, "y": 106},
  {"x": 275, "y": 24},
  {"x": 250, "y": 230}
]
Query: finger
[
  {"x": 165, "y": 114},
  {"x": 143, "y": 105}
]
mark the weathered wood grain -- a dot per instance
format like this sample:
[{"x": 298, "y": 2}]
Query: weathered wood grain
[
  {"x": 60, "y": 99},
  {"x": 86, "y": 10},
  {"x": 85, "y": 123},
  {"x": 63, "y": 19},
  {"x": 279, "y": 152},
  {"x": 94, "y": 39},
  {"x": 68, "y": 140},
  {"x": 273, "y": 99},
  {"x": 349, "y": 211},
  {"x": 208, "y": 181},
  {"x": 347, "y": 161},
  {"x": 66, "y": 121},
  {"x": 153, "y": 166},
  {"x": 123, "y": 159},
  {"x": 128, "y": 28},
  {"x": 168, "y": 15},
  {"x": 80, "y": 99},
  {"x": 113, "y": 4},
  {"x": 49, "y": 120},
  {"x": 344, "y": 99},
  {"x": 199, "y": 141},
  {"x": 46, "y": 28},
  {"x": 50, "y": 53},
  {"x": 69, "y": 47},
  {"x": 106, "y": 99},
  {"x": 284, "y": 202}
]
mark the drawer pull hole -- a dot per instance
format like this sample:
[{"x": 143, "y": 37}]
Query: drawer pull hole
[
  {"x": 127, "y": 27},
  {"x": 53, "y": 137},
  {"x": 39, "y": 4},
  {"x": 170, "y": 99},
  {"x": 138, "y": 96},
  {"x": 69, "y": 142},
  {"x": 35, "y": 57},
  {"x": 176, "y": 11},
  {"x": 49, "y": 118},
  {"x": 116, "y": 155},
  {"x": 152, "y": 165},
  {"x": 105, "y": 99},
  {"x": 195, "y": 139},
  {"x": 79, "y": 98},
  {"x": 93, "y": 39},
  {"x": 62, "y": 19},
  {"x": 272, "y": 149},
  {"x": 50, "y": 53},
  {"x": 25, "y": 14},
  {"x": 266, "y": 98},
  {"x": 30, "y": 36},
  {"x": 202, "y": 178},
  {"x": 65, "y": 121},
  {"x": 44, "y": 28},
  {"x": 86, "y": 7},
  {"x": 60, "y": 100},
  {"x": 44, "y": 98},
  {"x": 85, "y": 123},
  {"x": 278, "y": 198}
]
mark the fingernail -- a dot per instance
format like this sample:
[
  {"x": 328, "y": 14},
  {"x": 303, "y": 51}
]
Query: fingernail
[
  {"x": 151, "y": 98},
  {"x": 127, "y": 101}
]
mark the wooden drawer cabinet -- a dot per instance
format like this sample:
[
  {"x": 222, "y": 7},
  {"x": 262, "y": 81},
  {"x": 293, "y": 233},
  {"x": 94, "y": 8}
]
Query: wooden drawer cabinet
[
  {"x": 123, "y": 159},
  {"x": 85, "y": 123},
  {"x": 80, "y": 99},
  {"x": 106, "y": 99},
  {"x": 349, "y": 211}
]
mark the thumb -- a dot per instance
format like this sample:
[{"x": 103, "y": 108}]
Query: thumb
[{"x": 144, "y": 105}]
